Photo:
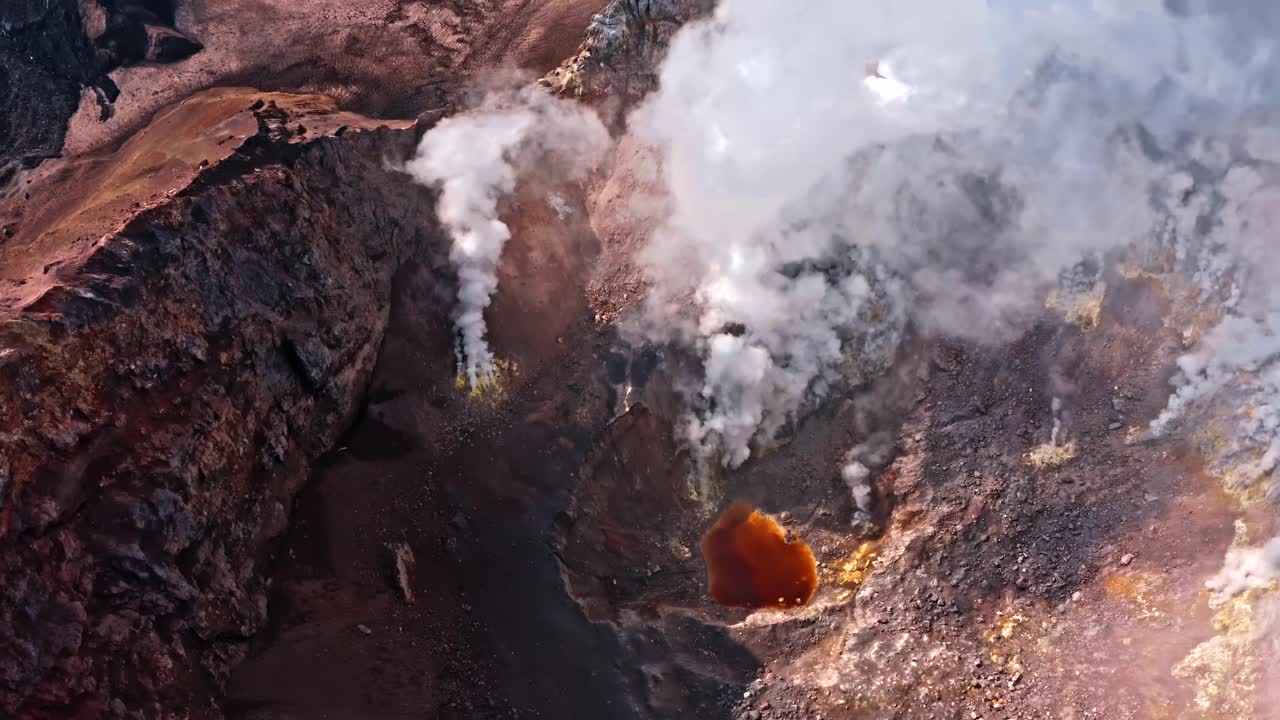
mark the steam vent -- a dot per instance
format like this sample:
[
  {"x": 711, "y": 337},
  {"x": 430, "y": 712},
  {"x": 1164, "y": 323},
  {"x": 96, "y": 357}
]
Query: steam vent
[
  {"x": 402, "y": 359},
  {"x": 753, "y": 563}
]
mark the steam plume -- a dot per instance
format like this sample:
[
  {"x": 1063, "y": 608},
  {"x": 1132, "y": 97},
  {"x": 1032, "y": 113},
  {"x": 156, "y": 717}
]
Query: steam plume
[
  {"x": 476, "y": 159},
  {"x": 1237, "y": 363},
  {"x": 860, "y": 462},
  {"x": 836, "y": 167},
  {"x": 1248, "y": 568}
]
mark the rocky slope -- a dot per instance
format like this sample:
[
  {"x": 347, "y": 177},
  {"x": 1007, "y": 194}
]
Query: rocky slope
[
  {"x": 78, "y": 77},
  {"x": 45, "y": 58},
  {"x": 50, "y": 51},
  {"x": 619, "y": 57},
  {"x": 385, "y": 58},
  {"x": 178, "y": 347}
]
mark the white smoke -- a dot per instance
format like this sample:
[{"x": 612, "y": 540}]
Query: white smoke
[
  {"x": 835, "y": 167},
  {"x": 817, "y": 153},
  {"x": 1247, "y": 568},
  {"x": 1238, "y": 361},
  {"x": 1056, "y": 435},
  {"x": 476, "y": 159},
  {"x": 857, "y": 477},
  {"x": 861, "y": 462}
]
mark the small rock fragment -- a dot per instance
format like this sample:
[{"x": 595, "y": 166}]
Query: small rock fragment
[
  {"x": 364, "y": 629},
  {"x": 1126, "y": 559},
  {"x": 403, "y": 561},
  {"x": 166, "y": 44}
]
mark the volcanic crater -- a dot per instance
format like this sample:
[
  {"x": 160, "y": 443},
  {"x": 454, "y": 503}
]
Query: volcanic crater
[{"x": 241, "y": 477}]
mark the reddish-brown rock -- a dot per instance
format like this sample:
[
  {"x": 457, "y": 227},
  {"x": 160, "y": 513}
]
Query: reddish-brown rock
[{"x": 184, "y": 326}]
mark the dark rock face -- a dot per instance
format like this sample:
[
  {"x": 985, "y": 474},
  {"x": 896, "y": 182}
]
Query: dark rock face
[
  {"x": 162, "y": 400},
  {"x": 51, "y": 49},
  {"x": 45, "y": 58},
  {"x": 165, "y": 44},
  {"x": 133, "y": 31}
]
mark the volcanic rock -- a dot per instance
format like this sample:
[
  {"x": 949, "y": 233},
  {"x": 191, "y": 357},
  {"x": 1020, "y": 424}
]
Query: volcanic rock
[
  {"x": 187, "y": 324},
  {"x": 45, "y": 59},
  {"x": 179, "y": 339},
  {"x": 624, "y": 45},
  {"x": 52, "y": 49}
]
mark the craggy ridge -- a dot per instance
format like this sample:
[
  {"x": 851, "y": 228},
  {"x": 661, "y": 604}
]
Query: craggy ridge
[{"x": 167, "y": 387}]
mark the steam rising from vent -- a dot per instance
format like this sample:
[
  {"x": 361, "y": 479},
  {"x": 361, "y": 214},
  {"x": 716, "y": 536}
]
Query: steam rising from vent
[
  {"x": 1248, "y": 568},
  {"x": 475, "y": 159},
  {"x": 836, "y": 168},
  {"x": 860, "y": 462},
  {"x": 1238, "y": 361}
]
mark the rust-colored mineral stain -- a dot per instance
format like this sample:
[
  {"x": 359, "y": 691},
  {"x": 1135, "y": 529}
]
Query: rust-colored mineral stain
[{"x": 751, "y": 562}]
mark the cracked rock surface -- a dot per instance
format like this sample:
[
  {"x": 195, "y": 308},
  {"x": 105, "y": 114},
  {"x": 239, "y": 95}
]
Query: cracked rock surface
[{"x": 175, "y": 351}]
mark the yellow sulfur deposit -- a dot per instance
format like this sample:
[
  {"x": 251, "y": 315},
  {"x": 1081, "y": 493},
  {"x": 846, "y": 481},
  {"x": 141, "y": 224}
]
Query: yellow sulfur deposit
[
  {"x": 855, "y": 569},
  {"x": 1049, "y": 456},
  {"x": 492, "y": 390}
]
